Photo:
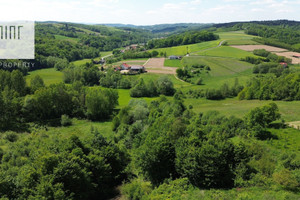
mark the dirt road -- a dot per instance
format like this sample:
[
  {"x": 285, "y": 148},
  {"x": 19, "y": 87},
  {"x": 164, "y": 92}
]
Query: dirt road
[{"x": 295, "y": 125}]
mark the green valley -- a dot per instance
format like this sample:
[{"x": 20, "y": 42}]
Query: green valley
[{"x": 152, "y": 112}]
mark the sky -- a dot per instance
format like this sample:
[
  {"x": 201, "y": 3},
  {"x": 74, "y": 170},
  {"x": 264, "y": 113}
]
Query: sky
[{"x": 149, "y": 12}]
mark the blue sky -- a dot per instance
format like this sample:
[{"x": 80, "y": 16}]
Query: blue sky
[{"x": 148, "y": 12}]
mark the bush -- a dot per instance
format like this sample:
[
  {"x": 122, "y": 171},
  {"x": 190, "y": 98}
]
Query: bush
[
  {"x": 11, "y": 136},
  {"x": 214, "y": 94},
  {"x": 286, "y": 179},
  {"x": 100, "y": 103},
  {"x": 199, "y": 81},
  {"x": 36, "y": 82},
  {"x": 165, "y": 86},
  {"x": 65, "y": 120},
  {"x": 207, "y": 68},
  {"x": 136, "y": 189}
]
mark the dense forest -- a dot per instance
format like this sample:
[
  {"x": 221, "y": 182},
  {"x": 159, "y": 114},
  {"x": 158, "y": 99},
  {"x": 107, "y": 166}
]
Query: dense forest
[{"x": 286, "y": 87}]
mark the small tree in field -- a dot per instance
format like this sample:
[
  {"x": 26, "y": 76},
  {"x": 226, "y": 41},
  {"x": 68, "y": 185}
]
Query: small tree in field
[
  {"x": 36, "y": 82},
  {"x": 165, "y": 86},
  {"x": 100, "y": 103}
]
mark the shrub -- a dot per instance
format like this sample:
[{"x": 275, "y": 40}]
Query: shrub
[
  {"x": 11, "y": 136},
  {"x": 165, "y": 86},
  {"x": 65, "y": 120},
  {"x": 136, "y": 189},
  {"x": 199, "y": 81},
  {"x": 286, "y": 179}
]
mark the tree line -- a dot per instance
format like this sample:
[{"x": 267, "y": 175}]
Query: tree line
[
  {"x": 38, "y": 103},
  {"x": 285, "y": 87},
  {"x": 279, "y": 33},
  {"x": 191, "y": 37}
]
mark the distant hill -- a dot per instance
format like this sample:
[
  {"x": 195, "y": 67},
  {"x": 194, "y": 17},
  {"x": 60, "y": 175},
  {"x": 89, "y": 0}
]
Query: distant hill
[
  {"x": 268, "y": 23},
  {"x": 167, "y": 29},
  {"x": 289, "y": 23},
  {"x": 279, "y": 33}
]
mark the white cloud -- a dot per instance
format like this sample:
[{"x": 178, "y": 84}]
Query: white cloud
[
  {"x": 196, "y": 2},
  {"x": 257, "y": 10},
  {"x": 262, "y": 2}
]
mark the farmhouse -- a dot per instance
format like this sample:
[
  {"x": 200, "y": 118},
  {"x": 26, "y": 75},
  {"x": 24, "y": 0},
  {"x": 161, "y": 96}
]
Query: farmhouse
[
  {"x": 125, "y": 66},
  {"x": 101, "y": 62},
  {"x": 284, "y": 64},
  {"x": 132, "y": 47},
  {"x": 137, "y": 68}
]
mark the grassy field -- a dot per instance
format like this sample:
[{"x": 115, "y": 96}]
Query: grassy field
[
  {"x": 183, "y": 50},
  {"x": 70, "y": 39},
  {"x": 49, "y": 75},
  {"x": 104, "y": 53},
  {"x": 226, "y": 51},
  {"x": 219, "y": 66},
  {"x": 227, "y": 107},
  {"x": 81, "y": 62},
  {"x": 82, "y": 129},
  {"x": 238, "y": 108},
  {"x": 172, "y": 63},
  {"x": 223, "y": 70},
  {"x": 237, "y": 38},
  {"x": 124, "y": 95},
  {"x": 287, "y": 139}
]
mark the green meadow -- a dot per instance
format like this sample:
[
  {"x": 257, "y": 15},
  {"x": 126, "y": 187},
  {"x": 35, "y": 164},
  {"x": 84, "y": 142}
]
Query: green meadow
[
  {"x": 82, "y": 129},
  {"x": 83, "y": 61},
  {"x": 232, "y": 106},
  {"x": 237, "y": 38},
  {"x": 62, "y": 37},
  {"x": 105, "y": 53},
  {"x": 185, "y": 49},
  {"x": 226, "y": 51},
  {"x": 223, "y": 70},
  {"x": 172, "y": 63},
  {"x": 49, "y": 75},
  {"x": 219, "y": 66}
]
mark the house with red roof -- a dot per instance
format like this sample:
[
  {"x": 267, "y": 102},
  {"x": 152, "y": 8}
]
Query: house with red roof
[{"x": 284, "y": 64}]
